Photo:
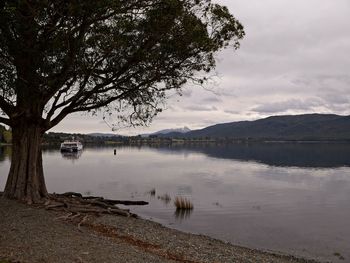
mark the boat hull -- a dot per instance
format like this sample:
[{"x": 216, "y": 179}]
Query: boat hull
[
  {"x": 70, "y": 150},
  {"x": 71, "y": 146}
]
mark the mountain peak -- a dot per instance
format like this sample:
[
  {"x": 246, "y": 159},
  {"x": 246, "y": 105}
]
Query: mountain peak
[{"x": 185, "y": 129}]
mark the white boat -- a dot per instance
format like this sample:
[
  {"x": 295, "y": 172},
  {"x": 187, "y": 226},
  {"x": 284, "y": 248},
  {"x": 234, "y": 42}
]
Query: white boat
[{"x": 71, "y": 146}]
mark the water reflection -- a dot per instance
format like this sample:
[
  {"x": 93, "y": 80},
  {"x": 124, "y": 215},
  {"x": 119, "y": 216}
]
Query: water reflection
[
  {"x": 71, "y": 155},
  {"x": 165, "y": 198},
  {"x": 2, "y": 155},
  {"x": 293, "y": 198},
  {"x": 5, "y": 152},
  {"x": 314, "y": 155},
  {"x": 151, "y": 193},
  {"x": 181, "y": 214}
]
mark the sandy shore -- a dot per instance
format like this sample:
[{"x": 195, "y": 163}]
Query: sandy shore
[{"x": 31, "y": 234}]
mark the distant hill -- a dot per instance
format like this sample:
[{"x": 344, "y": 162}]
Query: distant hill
[
  {"x": 289, "y": 127},
  {"x": 169, "y": 131},
  {"x": 179, "y": 130}
]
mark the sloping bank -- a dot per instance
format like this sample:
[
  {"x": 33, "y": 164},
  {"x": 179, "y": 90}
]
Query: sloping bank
[{"x": 30, "y": 234}]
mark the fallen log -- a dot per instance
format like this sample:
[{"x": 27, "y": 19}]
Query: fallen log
[{"x": 125, "y": 202}]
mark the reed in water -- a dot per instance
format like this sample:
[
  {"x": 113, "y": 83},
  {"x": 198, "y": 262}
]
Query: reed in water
[{"x": 183, "y": 203}]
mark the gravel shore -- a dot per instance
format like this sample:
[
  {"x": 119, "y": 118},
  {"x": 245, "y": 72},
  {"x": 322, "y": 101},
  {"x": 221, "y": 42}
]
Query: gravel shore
[{"x": 31, "y": 234}]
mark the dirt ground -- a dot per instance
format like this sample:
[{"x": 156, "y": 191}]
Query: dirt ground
[{"x": 32, "y": 234}]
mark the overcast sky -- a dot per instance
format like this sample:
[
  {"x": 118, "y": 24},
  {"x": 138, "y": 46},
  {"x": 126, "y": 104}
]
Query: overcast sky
[{"x": 294, "y": 59}]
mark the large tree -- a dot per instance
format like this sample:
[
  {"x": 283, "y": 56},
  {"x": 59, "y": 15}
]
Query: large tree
[{"x": 65, "y": 56}]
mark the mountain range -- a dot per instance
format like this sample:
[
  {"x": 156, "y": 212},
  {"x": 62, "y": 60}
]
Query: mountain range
[
  {"x": 169, "y": 131},
  {"x": 288, "y": 127}
]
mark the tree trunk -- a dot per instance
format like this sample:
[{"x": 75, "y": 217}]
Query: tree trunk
[{"x": 26, "y": 177}]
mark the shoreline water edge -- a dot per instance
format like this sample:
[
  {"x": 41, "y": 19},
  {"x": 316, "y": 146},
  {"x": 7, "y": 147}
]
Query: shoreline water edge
[{"x": 32, "y": 234}]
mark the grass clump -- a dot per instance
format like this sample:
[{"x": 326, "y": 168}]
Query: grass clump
[{"x": 183, "y": 203}]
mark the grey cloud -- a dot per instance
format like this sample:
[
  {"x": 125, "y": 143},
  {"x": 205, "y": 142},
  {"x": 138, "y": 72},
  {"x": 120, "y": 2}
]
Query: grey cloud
[
  {"x": 283, "y": 106},
  {"x": 301, "y": 81},
  {"x": 186, "y": 93},
  {"x": 170, "y": 108},
  {"x": 232, "y": 112},
  {"x": 201, "y": 108},
  {"x": 336, "y": 98},
  {"x": 342, "y": 109},
  {"x": 290, "y": 36},
  {"x": 212, "y": 99},
  {"x": 294, "y": 59},
  {"x": 333, "y": 89},
  {"x": 338, "y": 77},
  {"x": 323, "y": 80}
]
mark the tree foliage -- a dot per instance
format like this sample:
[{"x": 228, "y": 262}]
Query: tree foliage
[
  {"x": 65, "y": 56},
  {"x": 60, "y": 57}
]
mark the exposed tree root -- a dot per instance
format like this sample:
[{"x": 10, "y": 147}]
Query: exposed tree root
[
  {"x": 82, "y": 221},
  {"x": 78, "y": 206}
]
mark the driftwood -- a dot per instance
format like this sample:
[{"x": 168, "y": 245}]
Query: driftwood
[
  {"x": 125, "y": 202},
  {"x": 109, "y": 201},
  {"x": 78, "y": 207}
]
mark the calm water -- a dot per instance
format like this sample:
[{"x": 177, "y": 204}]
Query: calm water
[{"x": 293, "y": 198}]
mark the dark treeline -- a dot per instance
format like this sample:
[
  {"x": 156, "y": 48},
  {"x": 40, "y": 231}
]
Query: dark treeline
[{"x": 55, "y": 138}]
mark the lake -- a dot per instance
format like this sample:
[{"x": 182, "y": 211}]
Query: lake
[{"x": 293, "y": 198}]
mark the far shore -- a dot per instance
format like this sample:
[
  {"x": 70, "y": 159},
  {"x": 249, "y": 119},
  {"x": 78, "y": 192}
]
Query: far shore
[{"x": 32, "y": 234}]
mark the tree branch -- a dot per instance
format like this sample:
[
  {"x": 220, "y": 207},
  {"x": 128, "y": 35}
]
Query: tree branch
[
  {"x": 5, "y": 121},
  {"x": 73, "y": 107},
  {"x": 6, "y": 107}
]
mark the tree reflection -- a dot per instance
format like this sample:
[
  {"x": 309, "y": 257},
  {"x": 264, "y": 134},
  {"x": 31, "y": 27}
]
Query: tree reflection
[{"x": 5, "y": 153}]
